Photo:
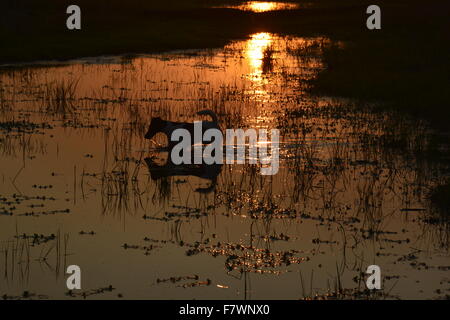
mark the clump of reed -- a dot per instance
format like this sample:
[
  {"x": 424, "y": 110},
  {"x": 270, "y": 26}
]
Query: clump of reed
[
  {"x": 310, "y": 48},
  {"x": 268, "y": 59},
  {"x": 59, "y": 96},
  {"x": 19, "y": 255}
]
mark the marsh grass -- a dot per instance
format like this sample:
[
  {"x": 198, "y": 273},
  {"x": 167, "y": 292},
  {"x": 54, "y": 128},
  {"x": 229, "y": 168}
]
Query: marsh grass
[
  {"x": 268, "y": 59},
  {"x": 59, "y": 97},
  {"x": 21, "y": 254},
  {"x": 345, "y": 170}
]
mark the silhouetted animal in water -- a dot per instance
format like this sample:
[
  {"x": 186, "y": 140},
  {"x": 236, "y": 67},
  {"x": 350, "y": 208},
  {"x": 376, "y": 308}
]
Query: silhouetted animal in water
[
  {"x": 169, "y": 169},
  {"x": 168, "y": 127}
]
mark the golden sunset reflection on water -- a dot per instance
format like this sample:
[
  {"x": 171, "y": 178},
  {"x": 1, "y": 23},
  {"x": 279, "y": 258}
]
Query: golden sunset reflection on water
[
  {"x": 84, "y": 170},
  {"x": 254, "y": 54},
  {"x": 255, "y": 49},
  {"x": 259, "y": 6}
]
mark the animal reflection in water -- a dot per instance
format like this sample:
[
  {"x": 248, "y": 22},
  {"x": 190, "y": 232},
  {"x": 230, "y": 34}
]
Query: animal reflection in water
[{"x": 170, "y": 169}]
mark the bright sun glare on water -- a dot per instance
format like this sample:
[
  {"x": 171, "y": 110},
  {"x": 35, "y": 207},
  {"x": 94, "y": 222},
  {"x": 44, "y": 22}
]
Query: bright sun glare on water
[
  {"x": 255, "y": 49},
  {"x": 262, "y": 6},
  {"x": 258, "y": 6},
  {"x": 255, "y": 54}
]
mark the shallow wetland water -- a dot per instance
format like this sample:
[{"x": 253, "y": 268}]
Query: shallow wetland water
[{"x": 78, "y": 184}]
